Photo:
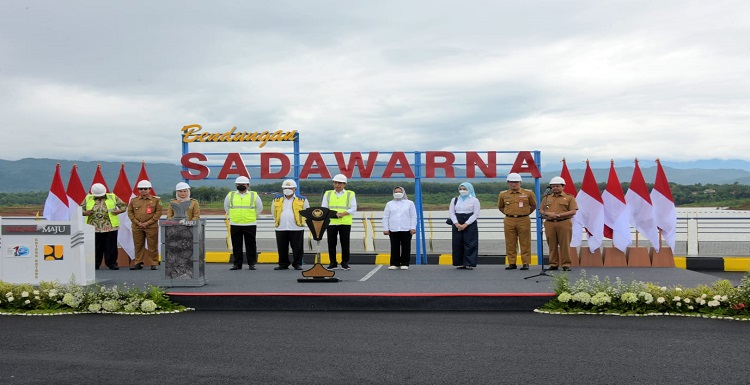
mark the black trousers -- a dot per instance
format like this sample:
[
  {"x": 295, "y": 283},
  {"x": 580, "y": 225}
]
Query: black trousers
[
  {"x": 343, "y": 232},
  {"x": 287, "y": 239},
  {"x": 105, "y": 247},
  {"x": 466, "y": 245},
  {"x": 400, "y": 247},
  {"x": 246, "y": 235}
]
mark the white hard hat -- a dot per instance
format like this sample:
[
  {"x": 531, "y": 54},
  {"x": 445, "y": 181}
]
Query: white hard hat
[
  {"x": 513, "y": 177},
  {"x": 144, "y": 184},
  {"x": 339, "y": 178},
  {"x": 557, "y": 180},
  {"x": 98, "y": 190},
  {"x": 242, "y": 180},
  {"x": 289, "y": 183},
  {"x": 182, "y": 186}
]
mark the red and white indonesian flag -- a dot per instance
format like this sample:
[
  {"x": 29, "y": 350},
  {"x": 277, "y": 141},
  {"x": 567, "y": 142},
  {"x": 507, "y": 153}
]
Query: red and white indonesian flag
[
  {"x": 142, "y": 175},
  {"x": 125, "y": 233},
  {"x": 665, "y": 213},
  {"x": 75, "y": 190},
  {"x": 616, "y": 213},
  {"x": 570, "y": 189},
  {"x": 591, "y": 209},
  {"x": 57, "y": 205},
  {"x": 99, "y": 178},
  {"x": 641, "y": 209}
]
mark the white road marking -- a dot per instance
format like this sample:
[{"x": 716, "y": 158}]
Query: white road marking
[{"x": 371, "y": 273}]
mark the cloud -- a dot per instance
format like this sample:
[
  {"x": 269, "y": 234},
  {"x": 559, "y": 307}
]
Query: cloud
[{"x": 97, "y": 81}]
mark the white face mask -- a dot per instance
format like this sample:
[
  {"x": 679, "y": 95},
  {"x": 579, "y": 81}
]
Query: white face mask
[
  {"x": 463, "y": 192},
  {"x": 288, "y": 191},
  {"x": 398, "y": 195}
]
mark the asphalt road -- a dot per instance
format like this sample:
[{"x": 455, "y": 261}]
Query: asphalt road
[{"x": 371, "y": 348}]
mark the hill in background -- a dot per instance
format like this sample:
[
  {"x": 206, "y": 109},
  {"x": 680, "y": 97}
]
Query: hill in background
[{"x": 32, "y": 174}]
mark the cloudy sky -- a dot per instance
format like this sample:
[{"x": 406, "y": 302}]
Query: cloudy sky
[{"x": 116, "y": 80}]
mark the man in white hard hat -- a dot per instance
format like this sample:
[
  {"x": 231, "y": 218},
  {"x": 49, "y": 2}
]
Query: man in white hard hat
[
  {"x": 243, "y": 207},
  {"x": 517, "y": 204},
  {"x": 345, "y": 204},
  {"x": 290, "y": 225},
  {"x": 101, "y": 209},
  {"x": 144, "y": 212},
  {"x": 557, "y": 208},
  {"x": 182, "y": 195}
]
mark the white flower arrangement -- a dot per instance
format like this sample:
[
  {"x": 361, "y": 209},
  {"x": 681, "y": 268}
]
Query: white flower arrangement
[
  {"x": 564, "y": 297},
  {"x": 148, "y": 306},
  {"x": 582, "y": 297},
  {"x": 647, "y": 297},
  {"x": 629, "y": 298},
  {"x": 51, "y": 298},
  {"x": 599, "y": 296}
]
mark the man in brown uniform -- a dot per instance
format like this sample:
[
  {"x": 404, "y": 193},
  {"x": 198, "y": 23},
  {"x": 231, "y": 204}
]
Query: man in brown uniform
[
  {"x": 517, "y": 204},
  {"x": 144, "y": 212},
  {"x": 557, "y": 209}
]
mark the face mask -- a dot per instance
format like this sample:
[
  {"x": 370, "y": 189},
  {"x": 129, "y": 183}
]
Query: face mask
[
  {"x": 288, "y": 191},
  {"x": 241, "y": 188},
  {"x": 398, "y": 195},
  {"x": 463, "y": 192}
]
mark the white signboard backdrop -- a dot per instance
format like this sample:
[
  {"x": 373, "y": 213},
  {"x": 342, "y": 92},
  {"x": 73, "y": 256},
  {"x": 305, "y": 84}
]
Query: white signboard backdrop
[{"x": 32, "y": 251}]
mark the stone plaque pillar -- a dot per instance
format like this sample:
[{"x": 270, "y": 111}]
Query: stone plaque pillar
[{"x": 183, "y": 251}]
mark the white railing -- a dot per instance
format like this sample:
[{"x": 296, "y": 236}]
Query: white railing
[{"x": 698, "y": 233}]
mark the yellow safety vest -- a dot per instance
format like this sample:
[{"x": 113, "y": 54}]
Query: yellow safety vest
[
  {"x": 297, "y": 205},
  {"x": 340, "y": 203},
  {"x": 111, "y": 203},
  {"x": 242, "y": 207}
]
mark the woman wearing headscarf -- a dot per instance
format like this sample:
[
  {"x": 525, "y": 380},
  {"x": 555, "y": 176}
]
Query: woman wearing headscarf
[
  {"x": 190, "y": 211},
  {"x": 464, "y": 211},
  {"x": 399, "y": 224}
]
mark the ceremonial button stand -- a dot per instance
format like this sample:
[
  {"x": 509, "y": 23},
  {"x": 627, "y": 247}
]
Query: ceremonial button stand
[
  {"x": 184, "y": 252},
  {"x": 35, "y": 251}
]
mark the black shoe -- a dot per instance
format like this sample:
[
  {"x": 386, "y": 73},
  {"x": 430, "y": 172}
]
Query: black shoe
[
  {"x": 113, "y": 267},
  {"x": 460, "y": 267},
  {"x": 552, "y": 268},
  {"x": 511, "y": 267},
  {"x": 251, "y": 267},
  {"x": 469, "y": 267},
  {"x": 297, "y": 267},
  {"x": 137, "y": 266},
  {"x": 281, "y": 268},
  {"x": 345, "y": 266},
  {"x": 235, "y": 268},
  {"x": 154, "y": 267},
  {"x": 524, "y": 267},
  {"x": 333, "y": 266},
  {"x": 566, "y": 268}
]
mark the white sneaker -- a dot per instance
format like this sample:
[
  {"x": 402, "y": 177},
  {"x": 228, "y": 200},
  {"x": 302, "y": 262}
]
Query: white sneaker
[
  {"x": 404, "y": 267},
  {"x": 392, "y": 267}
]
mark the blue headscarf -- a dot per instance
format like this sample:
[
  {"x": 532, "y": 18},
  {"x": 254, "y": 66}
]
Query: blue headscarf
[{"x": 468, "y": 187}]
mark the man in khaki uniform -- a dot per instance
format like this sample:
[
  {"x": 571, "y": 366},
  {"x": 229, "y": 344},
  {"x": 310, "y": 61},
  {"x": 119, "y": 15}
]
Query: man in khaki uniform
[
  {"x": 557, "y": 209},
  {"x": 144, "y": 212},
  {"x": 517, "y": 204}
]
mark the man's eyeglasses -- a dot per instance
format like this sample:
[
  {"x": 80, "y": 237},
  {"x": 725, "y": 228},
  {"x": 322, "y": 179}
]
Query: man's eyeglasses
[{"x": 142, "y": 189}]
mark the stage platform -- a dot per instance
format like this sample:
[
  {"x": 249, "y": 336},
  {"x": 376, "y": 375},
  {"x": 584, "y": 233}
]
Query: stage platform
[{"x": 374, "y": 287}]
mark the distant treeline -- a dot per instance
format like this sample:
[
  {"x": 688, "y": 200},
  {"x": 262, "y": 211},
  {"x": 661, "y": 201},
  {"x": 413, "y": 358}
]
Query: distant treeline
[{"x": 684, "y": 195}]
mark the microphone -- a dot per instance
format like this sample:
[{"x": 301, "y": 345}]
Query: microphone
[{"x": 549, "y": 189}]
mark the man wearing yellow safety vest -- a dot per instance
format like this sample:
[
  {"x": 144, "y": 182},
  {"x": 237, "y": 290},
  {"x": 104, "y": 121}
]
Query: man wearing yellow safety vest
[
  {"x": 290, "y": 225},
  {"x": 242, "y": 208},
  {"x": 345, "y": 204},
  {"x": 101, "y": 209}
]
